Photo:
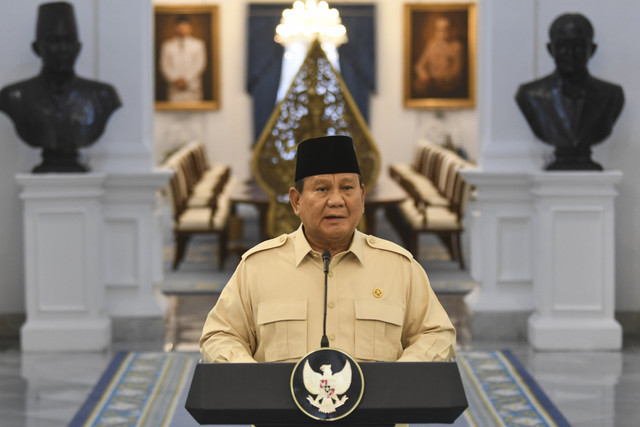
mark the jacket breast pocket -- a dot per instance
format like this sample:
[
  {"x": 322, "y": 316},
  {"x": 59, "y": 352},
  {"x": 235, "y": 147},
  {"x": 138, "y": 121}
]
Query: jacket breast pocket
[
  {"x": 378, "y": 331},
  {"x": 282, "y": 328}
]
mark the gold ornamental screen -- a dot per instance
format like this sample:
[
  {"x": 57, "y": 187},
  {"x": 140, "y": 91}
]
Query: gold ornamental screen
[{"x": 317, "y": 104}]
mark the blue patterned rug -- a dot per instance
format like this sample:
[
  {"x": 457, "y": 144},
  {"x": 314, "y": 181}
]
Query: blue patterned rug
[{"x": 150, "y": 389}]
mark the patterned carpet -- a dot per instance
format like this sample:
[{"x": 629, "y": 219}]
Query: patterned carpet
[
  {"x": 502, "y": 393},
  {"x": 149, "y": 389}
]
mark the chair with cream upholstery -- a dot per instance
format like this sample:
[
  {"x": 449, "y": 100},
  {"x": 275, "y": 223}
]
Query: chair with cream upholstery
[
  {"x": 438, "y": 197},
  {"x": 201, "y": 199}
]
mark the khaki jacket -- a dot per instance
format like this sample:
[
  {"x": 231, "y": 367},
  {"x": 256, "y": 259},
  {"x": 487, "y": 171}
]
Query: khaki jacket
[{"x": 380, "y": 305}]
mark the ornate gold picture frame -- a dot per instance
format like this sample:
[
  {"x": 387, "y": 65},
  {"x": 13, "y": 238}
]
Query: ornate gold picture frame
[
  {"x": 439, "y": 55},
  {"x": 186, "y": 57}
]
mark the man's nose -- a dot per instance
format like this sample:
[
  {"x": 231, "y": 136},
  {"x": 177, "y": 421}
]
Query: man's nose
[{"x": 335, "y": 197}]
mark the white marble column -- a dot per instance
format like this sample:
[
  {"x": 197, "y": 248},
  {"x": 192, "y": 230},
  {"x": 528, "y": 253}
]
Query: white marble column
[
  {"x": 124, "y": 58},
  {"x": 574, "y": 279},
  {"x": 65, "y": 297}
]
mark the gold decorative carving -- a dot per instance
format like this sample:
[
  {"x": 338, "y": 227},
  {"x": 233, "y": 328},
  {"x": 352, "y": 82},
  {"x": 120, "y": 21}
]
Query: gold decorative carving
[{"x": 317, "y": 104}]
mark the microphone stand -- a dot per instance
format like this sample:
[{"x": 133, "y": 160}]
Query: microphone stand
[{"x": 326, "y": 257}]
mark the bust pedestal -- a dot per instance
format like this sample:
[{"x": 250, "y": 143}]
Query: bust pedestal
[
  {"x": 93, "y": 252},
  {"x": 574, "y": 274},
  {"x": 65, "y": 299},
  {"x": 544, "y": 241}
]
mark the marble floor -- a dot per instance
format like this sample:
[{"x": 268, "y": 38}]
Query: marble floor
[{"x": 591, "y": 389}]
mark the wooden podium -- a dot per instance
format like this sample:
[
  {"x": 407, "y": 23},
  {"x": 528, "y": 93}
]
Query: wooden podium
[{"x": 395, "y": 392}]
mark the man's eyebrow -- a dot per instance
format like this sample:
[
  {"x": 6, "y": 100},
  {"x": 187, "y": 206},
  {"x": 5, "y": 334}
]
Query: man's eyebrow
[{"x": 347, "y": 180}]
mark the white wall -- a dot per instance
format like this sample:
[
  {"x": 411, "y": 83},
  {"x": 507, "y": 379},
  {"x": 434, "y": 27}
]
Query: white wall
[{"x": 523, "y": 26}]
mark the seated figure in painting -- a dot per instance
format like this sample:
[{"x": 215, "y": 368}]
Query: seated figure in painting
[{"x": 440, "y": 68}]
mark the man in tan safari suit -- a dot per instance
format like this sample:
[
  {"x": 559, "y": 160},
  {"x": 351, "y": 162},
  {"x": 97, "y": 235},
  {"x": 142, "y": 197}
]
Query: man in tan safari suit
[{"x": 380, "y": 305}]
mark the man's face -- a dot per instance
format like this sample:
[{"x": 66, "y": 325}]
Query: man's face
[
  {"x": 442, "y": 27},
  {"x": 184, "y": 29},
  {"x": 58, "y": 47},
  {"x": 329, "y": 207},
  {"x": 571, "y": 50}
]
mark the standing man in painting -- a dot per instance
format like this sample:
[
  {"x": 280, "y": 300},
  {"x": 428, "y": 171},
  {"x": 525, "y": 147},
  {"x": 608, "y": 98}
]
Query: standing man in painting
[
  {"x": 183, "y": 59},
  {"x": 570, "y": 109}
]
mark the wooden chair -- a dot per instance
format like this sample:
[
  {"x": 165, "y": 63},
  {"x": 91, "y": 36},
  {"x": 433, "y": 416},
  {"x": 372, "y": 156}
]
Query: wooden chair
[
  {"x": 200, "y": 197},
  {"x": 438, "y": 197}
]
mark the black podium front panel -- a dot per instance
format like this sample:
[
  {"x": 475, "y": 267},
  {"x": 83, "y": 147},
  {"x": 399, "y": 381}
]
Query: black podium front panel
[{"x": 259, "y": 393}]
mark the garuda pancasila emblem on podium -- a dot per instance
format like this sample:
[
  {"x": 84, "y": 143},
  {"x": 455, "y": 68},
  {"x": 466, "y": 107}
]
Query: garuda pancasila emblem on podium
[
  {"x": 327, "y": 384},
  {"x": 329, "y": 388}
]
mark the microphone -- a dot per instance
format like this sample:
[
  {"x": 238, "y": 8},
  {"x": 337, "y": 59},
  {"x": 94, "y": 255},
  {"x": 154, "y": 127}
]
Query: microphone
[{"x": 326, "y": 257}]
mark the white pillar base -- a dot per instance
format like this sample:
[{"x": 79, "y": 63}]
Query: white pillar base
[
  {"x": 574, "y": 334},
  {"x": 65, "y": 336}
]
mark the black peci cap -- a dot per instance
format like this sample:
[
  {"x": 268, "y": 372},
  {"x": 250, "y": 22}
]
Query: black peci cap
[
  {"x": 53, "y": 15},
  {"x": 326, "y": 155}
]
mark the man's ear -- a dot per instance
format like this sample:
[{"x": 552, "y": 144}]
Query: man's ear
[
  {"x": 593, "y": 49},
  {"x": 294, "y": 199},
  {"x": 550, "y": 49},
  {"x": 36, "y": 48}
]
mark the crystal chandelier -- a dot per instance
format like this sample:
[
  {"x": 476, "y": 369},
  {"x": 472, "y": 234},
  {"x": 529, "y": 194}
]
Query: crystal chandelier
[{"x": 309, "y": 20}]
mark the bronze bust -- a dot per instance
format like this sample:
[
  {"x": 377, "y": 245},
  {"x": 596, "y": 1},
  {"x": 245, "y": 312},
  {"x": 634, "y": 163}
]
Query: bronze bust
[
  {"x": 57, "y": 110},
  {"x": 570, "y": 109}
]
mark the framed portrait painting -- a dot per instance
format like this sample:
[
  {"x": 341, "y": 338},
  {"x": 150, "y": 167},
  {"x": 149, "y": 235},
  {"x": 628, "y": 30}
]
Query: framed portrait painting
[
  {"x": 439, "y": 55},
  {"x": 187, "y": 69}
]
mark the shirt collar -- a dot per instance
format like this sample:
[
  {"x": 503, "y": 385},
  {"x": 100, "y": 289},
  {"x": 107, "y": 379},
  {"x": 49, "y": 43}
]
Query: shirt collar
[{"x": 302, "y": 247}]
